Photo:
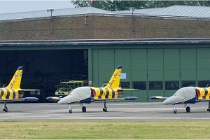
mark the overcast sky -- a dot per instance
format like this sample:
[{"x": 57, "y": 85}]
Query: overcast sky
[{"x": 8, "y": 6}]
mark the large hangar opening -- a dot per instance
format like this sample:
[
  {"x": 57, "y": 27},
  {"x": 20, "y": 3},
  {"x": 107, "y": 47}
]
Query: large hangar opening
[{"x": 43, "y": 69}]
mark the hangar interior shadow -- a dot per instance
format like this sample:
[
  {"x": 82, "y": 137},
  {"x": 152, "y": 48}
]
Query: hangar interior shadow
[{"x": 43, "y": 69}]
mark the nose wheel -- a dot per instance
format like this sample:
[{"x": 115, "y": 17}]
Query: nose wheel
[
  {"x": 70, "y": 109},
  {"x": 175, "y": 111}
]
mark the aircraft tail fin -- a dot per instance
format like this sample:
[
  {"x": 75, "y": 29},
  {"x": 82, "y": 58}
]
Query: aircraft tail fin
[
  {"x": 16, "y": 79},
  {"x": 114, "y": 82}
]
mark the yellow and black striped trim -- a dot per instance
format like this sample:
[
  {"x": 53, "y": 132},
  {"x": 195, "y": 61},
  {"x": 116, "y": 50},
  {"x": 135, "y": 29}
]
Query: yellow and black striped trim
[
  {"x": 8, "y": 94},
  {"x": 105, "y": 93}
]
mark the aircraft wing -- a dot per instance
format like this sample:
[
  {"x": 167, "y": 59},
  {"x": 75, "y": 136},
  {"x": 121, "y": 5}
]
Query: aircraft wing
[
  {"x": 204, "y": 100},
  {"x": 34, "y": 90},
  {"x": 51, "y": 98},
  {"x": 158, "y": 97},
  {"x": 131, "y": 98},
  {"x": 127, "y": 89},
  {"x": 20, "y": 99}
]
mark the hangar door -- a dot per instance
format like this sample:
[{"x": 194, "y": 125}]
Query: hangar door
[
  {"x": 146, "y": 69},
  {"x": 43, "y": 69},
  {"x": 105, "y": 62},
  {"x": 154, "y": 71}
]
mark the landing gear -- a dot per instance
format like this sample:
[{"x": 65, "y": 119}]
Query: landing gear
[
  {"x": 188, "y": 109},
  {"x": 175, "y": 111},
  {"x": 83, "y": 108},
  {"x": 5, "y": 109},
  {"x": 70, "y": 109},
  {"x": 105, "y": 108},
  {"x": 208, "y": 109}
]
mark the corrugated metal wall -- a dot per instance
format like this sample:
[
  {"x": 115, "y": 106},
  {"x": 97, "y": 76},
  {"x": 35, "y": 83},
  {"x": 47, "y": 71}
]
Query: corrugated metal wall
[{"x": 154, "y": 71}]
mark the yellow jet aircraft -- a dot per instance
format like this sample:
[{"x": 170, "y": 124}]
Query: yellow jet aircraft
[
  {"x": 112, "y": 91},
  {"x": 13, "y": 92},
  {"x": 187, "y": 95}
]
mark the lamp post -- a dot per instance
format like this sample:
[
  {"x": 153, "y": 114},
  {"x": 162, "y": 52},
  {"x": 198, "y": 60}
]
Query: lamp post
[
  {"x": 132, "y": 9},
  {"x": 51, "y": 20}
]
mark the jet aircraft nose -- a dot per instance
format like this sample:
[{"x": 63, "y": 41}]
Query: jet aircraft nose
[
  {"x": 181, "y": 95},
  {"x": 76, "y": 95},
  {"x": 173, "y": 100}
]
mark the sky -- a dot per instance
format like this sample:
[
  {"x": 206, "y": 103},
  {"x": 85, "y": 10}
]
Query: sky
[{"x": 13, "y": 6}]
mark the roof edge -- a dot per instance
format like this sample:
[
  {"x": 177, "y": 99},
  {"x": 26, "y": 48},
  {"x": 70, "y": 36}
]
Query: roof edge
[{"x": 104, "y": 42}]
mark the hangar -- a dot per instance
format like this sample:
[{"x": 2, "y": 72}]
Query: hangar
[{"x": 156, "y": 66}]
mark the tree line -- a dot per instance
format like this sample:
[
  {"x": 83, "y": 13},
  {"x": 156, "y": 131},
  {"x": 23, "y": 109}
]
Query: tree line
[{"x": 115, "y": 5}]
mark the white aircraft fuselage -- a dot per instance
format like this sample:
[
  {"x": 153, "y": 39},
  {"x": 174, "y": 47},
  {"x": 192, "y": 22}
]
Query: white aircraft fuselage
[
  {"x": 187, "y": 95},
  {"x": 78, "y": 94},
  {"x": 183, "y": 95}
]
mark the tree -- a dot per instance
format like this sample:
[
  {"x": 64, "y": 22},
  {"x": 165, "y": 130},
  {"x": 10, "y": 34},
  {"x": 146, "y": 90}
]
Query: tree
[{"x": 114, "y": 5}]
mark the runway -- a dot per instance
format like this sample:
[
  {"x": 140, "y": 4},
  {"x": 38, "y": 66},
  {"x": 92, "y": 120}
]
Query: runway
[{"x": 116, "y": 111}]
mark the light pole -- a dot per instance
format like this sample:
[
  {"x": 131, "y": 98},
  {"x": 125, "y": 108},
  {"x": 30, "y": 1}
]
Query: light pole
[
  {"x": 133, "y": 28},
  {"x": 132, "y": 9},
  {"x": 51, "y": 20}
]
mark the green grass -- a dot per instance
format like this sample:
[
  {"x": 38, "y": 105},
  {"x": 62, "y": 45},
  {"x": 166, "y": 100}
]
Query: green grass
[{"x": 104, "y": 129}]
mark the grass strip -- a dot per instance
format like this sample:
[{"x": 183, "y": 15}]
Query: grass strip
[{"x": 105, "y": 129}]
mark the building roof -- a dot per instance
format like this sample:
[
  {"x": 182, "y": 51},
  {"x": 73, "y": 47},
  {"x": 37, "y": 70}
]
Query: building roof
[
  {"x": 176, "y": 11},
  {"x": 55, "y": 13},
  {"x": 189, "y": 12}
]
